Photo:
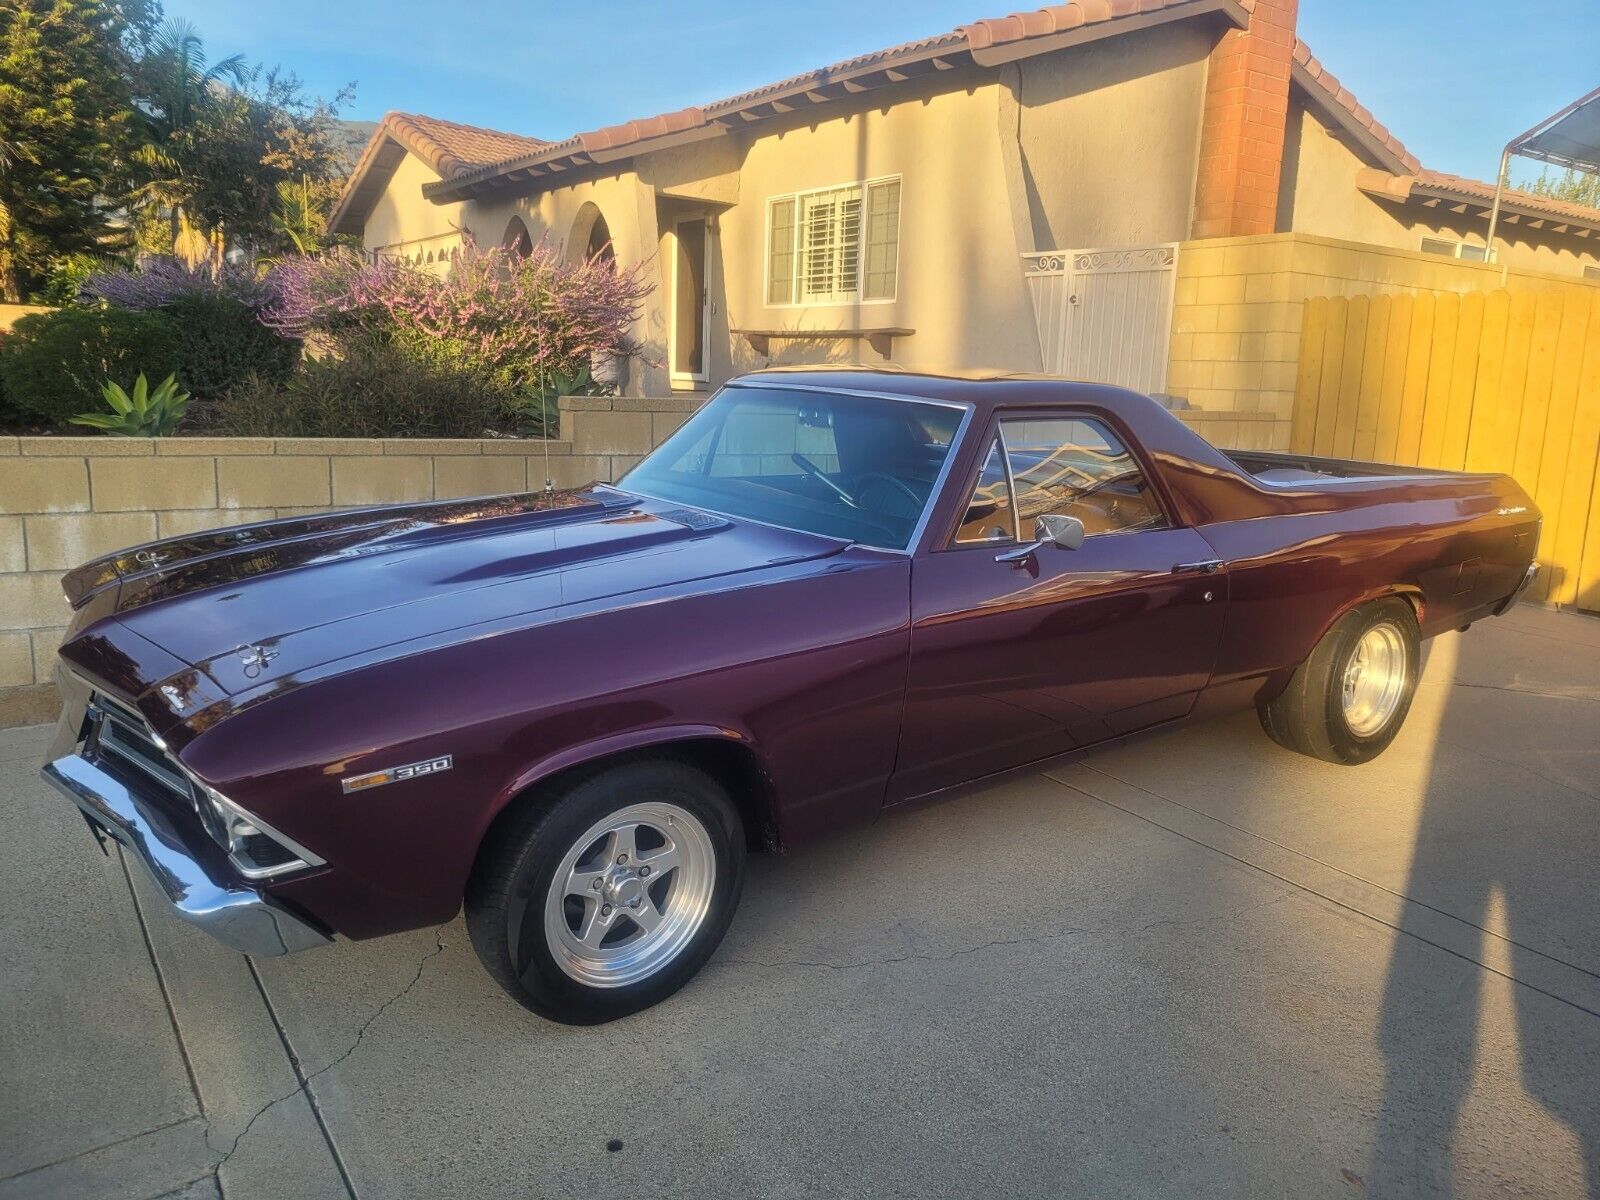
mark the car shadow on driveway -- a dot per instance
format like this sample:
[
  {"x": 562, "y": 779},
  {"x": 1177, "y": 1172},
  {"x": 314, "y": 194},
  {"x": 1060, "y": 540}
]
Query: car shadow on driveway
[{"x": 1515, "y": 864}]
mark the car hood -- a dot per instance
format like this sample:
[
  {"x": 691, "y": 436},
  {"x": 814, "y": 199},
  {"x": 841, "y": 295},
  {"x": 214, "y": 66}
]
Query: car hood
[{"x": 257, "y": 602}]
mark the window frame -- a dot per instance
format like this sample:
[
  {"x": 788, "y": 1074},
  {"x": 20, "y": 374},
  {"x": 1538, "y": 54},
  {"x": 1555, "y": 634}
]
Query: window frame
[
  {"x": 1489, "y": 256},
  {"x": 797, "y": 198},
  {"x": 994, "y": 431}
]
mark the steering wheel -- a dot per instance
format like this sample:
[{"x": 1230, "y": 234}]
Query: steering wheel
[{"x": 867, "y": 477}]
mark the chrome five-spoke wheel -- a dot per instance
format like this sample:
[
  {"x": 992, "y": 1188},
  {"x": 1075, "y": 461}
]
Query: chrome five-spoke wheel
[
  {"x": 630, "y": 894},
  {"x": 597, "y": 897},
  {"x": 1375, "y": 680},
  {"x": 1346, "y": 702}
]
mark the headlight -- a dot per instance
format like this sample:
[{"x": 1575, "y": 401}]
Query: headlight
[{"x": 256, "y": 850}]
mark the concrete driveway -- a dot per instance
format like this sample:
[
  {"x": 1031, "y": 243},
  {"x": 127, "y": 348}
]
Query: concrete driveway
[{"x": 1198, "y": 965}]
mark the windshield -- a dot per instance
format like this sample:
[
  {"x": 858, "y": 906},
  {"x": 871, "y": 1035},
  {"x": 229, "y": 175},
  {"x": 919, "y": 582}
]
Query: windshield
[{"x": 852, "y": 467}]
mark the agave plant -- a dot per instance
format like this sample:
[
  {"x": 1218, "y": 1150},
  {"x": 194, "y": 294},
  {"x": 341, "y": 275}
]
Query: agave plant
[{"x": 145, "y": 413}]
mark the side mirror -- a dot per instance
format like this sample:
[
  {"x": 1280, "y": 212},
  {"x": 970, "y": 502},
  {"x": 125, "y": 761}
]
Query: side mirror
[{"x": 1059, "y": 530}]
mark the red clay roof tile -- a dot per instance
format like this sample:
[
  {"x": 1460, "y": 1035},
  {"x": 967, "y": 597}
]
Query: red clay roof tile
[
  {"x": 458, "y": 151},
  {"x": 1476, "y": 189},
  {"x": 451, "y": 148},
  {"x": 1326, "y": 86}
]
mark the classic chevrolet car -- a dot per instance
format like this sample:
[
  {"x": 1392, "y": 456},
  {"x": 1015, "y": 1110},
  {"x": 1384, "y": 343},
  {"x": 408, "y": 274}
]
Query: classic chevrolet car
[{"x": 829, "y": 592}]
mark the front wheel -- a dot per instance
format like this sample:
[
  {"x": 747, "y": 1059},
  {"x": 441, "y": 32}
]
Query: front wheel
[
  {"x": 608, "y": 898},
  {"x": 1347, "y": 701}
]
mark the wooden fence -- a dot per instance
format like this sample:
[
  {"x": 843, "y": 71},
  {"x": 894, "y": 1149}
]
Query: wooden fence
[{"x": 1485, "y": 381}]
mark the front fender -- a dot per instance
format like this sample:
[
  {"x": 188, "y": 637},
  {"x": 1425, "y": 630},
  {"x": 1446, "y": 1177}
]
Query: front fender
[{"x": 599, "y": 749}]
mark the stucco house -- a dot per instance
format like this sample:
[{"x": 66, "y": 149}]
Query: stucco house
[{"x": 1013, "y": 193}]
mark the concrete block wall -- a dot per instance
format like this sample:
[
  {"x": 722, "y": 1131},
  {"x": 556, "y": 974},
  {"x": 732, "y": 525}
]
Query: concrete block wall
[
  {"x": 65, "y": 500},
  {"x": 10, "y": 314},
  {"x": 1238, "y": 304}
]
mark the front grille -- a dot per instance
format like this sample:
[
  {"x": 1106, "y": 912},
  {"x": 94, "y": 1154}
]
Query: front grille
[
  {"x": 120, "y": 736},
  {"x": 116, "y": 736}
]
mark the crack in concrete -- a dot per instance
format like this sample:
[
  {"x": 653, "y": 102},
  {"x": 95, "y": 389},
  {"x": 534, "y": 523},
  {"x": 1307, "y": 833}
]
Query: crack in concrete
[
  {"x": 1056, "y": 935},
  {"x": 1583, "y": 695},
  {"x": 1564, "y": 784},
  {"x": 305, "y": 1081}
]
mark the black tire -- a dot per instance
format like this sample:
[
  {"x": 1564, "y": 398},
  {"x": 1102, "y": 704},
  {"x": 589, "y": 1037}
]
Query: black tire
[
  {"x": 1309, "y": 717},
  {"x": 516, "y": 870}
]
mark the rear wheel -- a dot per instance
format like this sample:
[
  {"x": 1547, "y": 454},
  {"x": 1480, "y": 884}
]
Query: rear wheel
[
  {"x": 611, "y": 896},
  {"x": 1347, "y": 701}
]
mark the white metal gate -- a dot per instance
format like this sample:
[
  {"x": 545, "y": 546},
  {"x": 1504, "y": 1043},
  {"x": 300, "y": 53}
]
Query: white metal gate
[{"x": 1105, "y": 315}]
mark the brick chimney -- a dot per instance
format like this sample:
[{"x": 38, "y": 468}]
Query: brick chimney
[{"x": 1241, "y": 136}]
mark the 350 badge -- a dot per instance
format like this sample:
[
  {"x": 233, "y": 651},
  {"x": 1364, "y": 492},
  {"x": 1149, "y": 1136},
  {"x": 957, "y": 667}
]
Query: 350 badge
[{"x": 430, "y": 766}]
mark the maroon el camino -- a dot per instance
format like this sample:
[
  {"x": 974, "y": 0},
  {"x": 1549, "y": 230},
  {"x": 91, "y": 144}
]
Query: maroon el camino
[{"x": 829, "y": 592}]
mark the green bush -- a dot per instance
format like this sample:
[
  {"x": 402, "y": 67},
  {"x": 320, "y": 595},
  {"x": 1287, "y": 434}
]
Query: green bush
[
  {"x": 141, "y": 413},
  {"x": 373, "y": 391},
  {"x": 221, "y": 344},
  {"x": 68, "y": 273},
  {"x": 53, "y": 364}
]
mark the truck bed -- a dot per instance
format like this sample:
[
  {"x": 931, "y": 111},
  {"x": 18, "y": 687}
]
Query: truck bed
[{"x": 1273, "y": 467}]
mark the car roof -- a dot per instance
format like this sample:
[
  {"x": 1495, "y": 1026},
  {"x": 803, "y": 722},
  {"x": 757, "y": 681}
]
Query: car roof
[{"x": 982, "y": 389}]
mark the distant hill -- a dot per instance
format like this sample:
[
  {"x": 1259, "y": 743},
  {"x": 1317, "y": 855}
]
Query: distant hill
[{"x": 353, "y": 137}]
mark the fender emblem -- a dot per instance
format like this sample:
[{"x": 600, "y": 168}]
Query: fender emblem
[{"x": 431, "y": 766}]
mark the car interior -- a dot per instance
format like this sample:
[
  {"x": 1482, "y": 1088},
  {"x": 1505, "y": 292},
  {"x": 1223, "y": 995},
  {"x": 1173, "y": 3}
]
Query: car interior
[{"x": 856, "y": 468}]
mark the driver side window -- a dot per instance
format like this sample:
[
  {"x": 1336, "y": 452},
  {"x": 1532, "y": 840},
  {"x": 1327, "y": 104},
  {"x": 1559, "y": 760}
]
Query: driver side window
[{"x": 1073, "y": 466}]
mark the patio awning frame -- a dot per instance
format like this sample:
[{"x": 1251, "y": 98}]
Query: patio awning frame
[{"x": 1569, "y": 138}]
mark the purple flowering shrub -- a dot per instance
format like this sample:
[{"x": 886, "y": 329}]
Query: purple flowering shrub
[
  {"x": 163, "y": 282},
  {"x": 523, "y": 318}
]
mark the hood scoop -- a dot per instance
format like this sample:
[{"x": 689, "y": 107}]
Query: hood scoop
[{"x": 700, "y": 522}]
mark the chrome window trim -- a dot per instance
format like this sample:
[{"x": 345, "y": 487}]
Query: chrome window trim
[
  {"x": 914, "y": 542},
  {"x": 1011, "y": 480},
  {"x": 775, "y": 386}
]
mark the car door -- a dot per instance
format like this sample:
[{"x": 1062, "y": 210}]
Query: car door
[{"x": 1019, "y": 655}]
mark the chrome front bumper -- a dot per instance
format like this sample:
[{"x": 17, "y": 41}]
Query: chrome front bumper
[{"x": 201, "y": 893}]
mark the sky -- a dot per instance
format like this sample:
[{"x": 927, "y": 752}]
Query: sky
[{"x": 1453, "y": 79}]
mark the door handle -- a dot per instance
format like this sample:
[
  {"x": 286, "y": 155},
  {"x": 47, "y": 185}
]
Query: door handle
[
  {"x": 1206, "y": 566},
  {"x": 1019, "y": 556}
]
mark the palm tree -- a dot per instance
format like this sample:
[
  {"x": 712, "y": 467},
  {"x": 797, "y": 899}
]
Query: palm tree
[{"x": 176, "y": 85}]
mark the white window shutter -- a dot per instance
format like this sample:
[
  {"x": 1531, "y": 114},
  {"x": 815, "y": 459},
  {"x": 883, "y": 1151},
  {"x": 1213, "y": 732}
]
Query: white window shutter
[{"x": 835, "y": 246}]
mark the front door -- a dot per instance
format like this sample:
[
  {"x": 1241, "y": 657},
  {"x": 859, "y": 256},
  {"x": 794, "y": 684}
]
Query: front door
[
  {"x": 1015, "y": 661},
  {"x": 689, "y": 301}
]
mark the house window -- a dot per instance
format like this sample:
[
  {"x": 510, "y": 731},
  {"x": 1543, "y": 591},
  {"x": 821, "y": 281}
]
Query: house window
[
  {"x": 834, "y": 246},
  {"x": 1591, "y": 272},
  {"x": 1453, "y": 249}
]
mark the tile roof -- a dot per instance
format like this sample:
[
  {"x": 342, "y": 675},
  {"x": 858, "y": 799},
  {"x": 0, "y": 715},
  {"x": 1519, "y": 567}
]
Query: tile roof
[
  {"x": 1320, "y": 81},
  {"x": 448, "y": 147},
  {"x": 469, "y": 159},
  {"x": 451, "y": 148},
  {"x": 1478, "y": 190},
  {"x": 1475, "y": 193},
  {"x": 1061, "y": 18},
  {"x": 981, "y": 41}
]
